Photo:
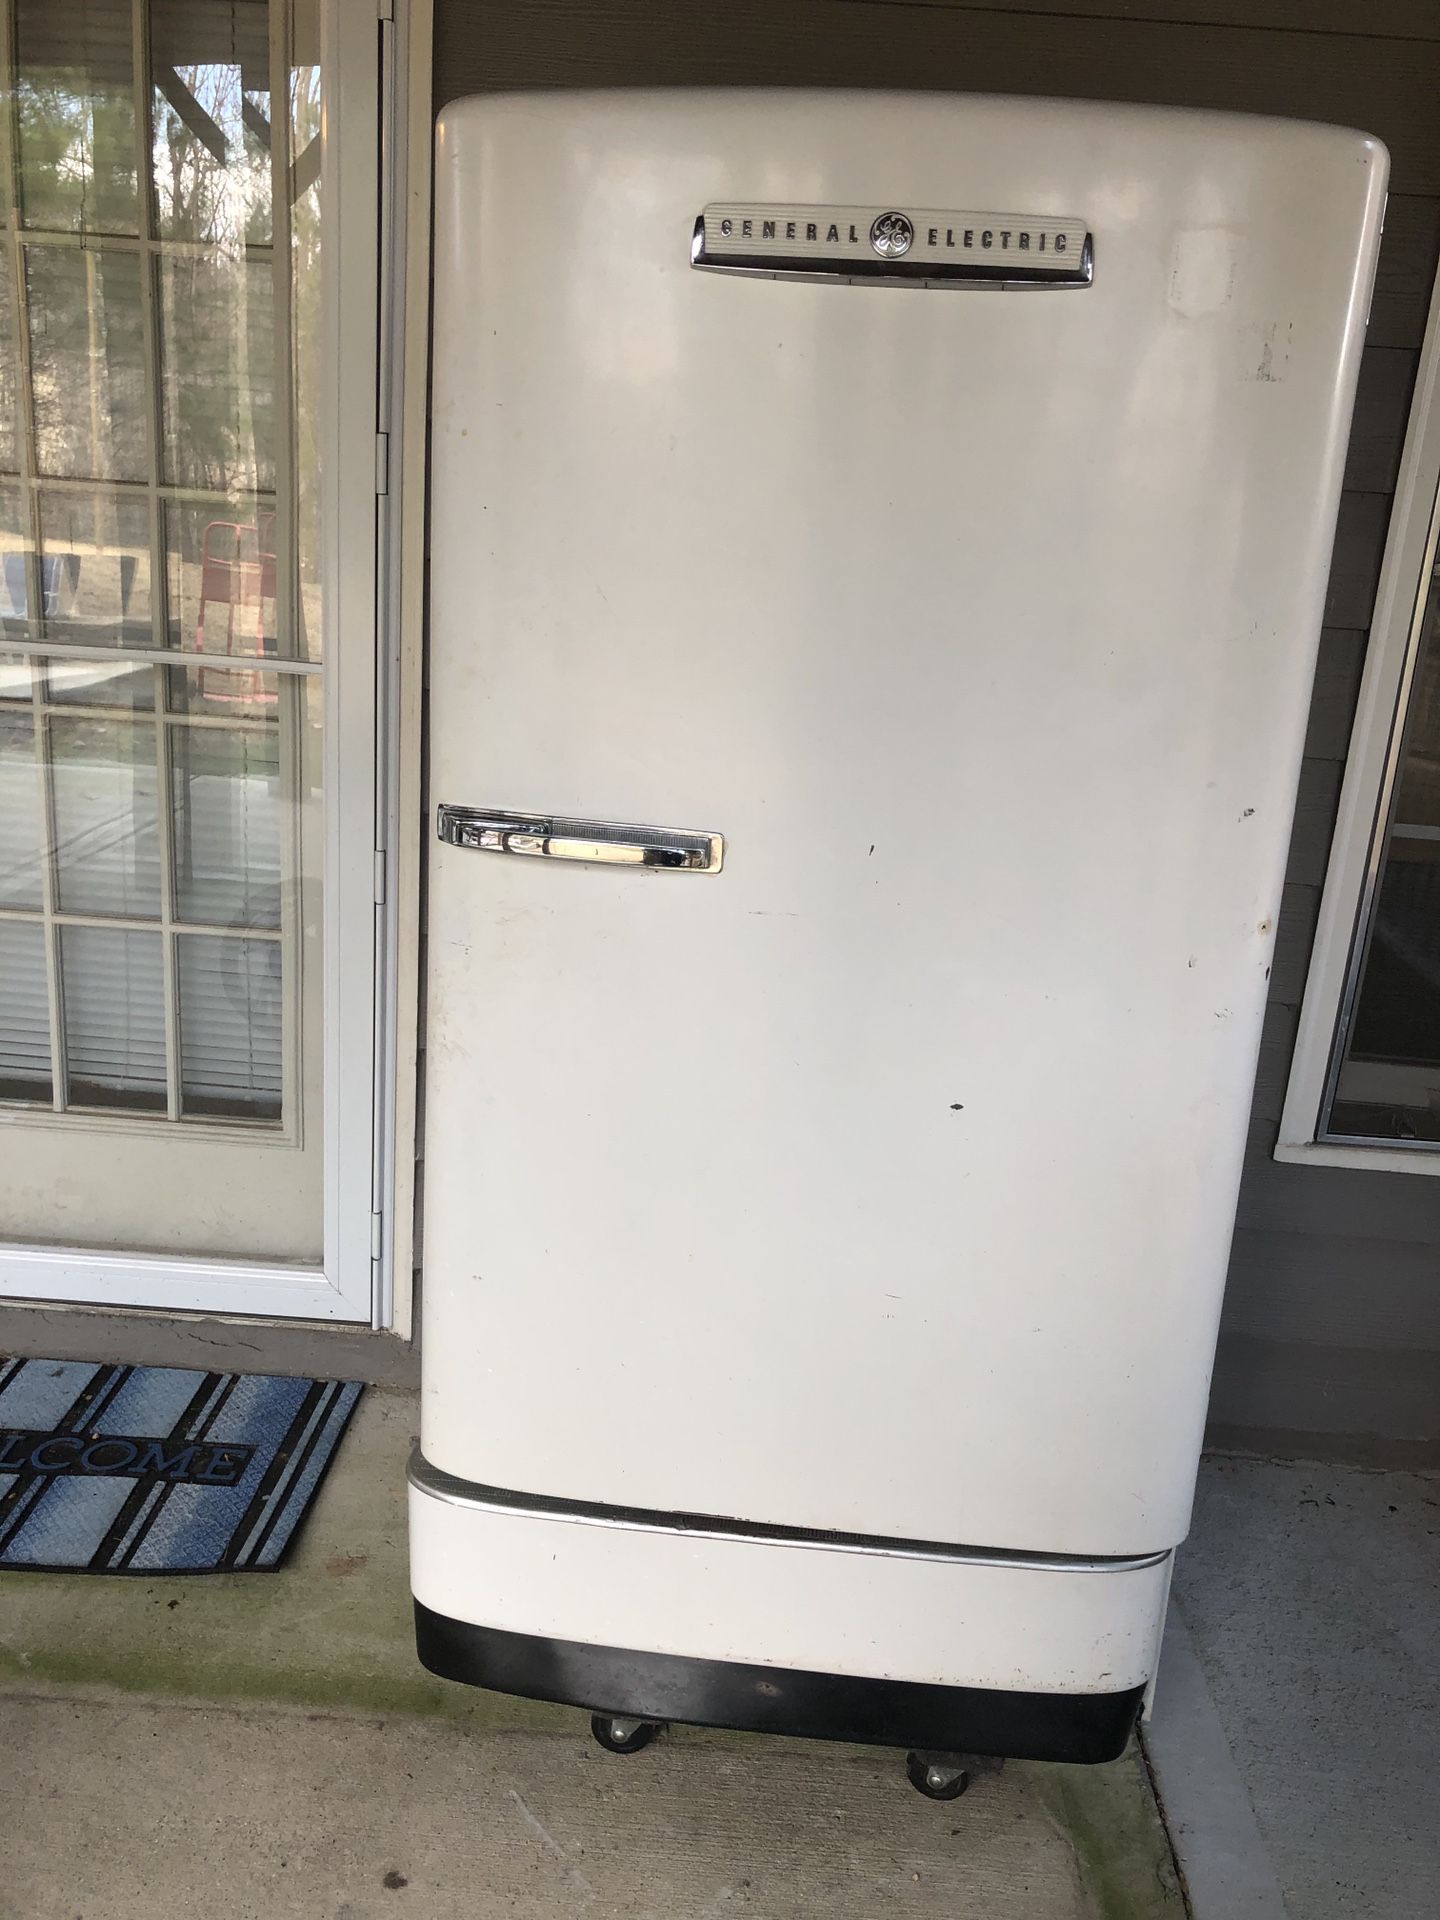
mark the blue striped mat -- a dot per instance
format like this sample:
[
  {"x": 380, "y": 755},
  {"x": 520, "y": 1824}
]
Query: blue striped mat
[{"x": 110, "y": 1469}]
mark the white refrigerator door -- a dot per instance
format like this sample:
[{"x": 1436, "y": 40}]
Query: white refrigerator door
[{"x": 883, "y": 1181}]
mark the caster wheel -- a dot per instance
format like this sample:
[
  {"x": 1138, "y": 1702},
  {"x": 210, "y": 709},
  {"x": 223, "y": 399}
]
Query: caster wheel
[
  {"x": 939, "y": 1776},
  {"x": 617, "y": 1734}
]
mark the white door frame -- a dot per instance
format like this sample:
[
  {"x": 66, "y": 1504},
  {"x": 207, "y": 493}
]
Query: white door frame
[
  {"x": 364, "y": 77},
  {"x": 406, "y": 132}
]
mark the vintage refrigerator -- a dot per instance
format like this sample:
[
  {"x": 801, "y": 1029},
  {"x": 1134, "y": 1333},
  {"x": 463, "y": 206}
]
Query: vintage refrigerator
[{"x": 878, "y": 550}]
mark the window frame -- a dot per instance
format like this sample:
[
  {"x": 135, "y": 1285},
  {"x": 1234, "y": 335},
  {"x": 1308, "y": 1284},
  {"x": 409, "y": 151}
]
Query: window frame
[
  {"x": 1371, "y": 768},
  {"x": 361, "y": 185}
]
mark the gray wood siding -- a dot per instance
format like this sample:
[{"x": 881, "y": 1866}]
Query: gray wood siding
[{"x": 1331, "y": 1332}]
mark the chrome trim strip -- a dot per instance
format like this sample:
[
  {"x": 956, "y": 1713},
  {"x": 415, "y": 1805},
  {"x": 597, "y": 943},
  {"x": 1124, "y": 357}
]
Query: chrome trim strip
[
  {"x": 455, "y": 1492},
  {"x": 895, "y": 273}
]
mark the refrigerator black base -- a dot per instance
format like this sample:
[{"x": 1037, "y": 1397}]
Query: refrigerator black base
[{"x": 1080, "y": 1728}]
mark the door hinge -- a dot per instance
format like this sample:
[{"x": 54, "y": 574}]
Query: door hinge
[
  {"x": 377, "y": 1235},
  {"x": 379, "y": 876},
  {"x": 387, "y": 9},
  {"x": 382, "y": 463}
]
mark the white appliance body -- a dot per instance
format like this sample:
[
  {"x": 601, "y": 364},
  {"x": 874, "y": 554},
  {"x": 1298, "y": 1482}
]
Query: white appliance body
[{"x": 823, "y": 1254}]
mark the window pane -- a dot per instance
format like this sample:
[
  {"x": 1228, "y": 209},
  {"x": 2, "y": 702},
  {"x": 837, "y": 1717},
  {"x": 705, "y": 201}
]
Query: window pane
[
  {"x": 14, "y": 676},
  {"x": 96, "y": 550},
  {"x": 210, "y": 67},
  {"x": 24, "y": 1013},
  {"x": 1389, "y": 1084},
  {"x": 227, "y": 694},
  {"x": 87, "y": 362},
  {"x": 15, "y": 545},
  {"x": 217, "y": 351},
  {"x": 226, "y": 787},
  {"x": 112, "y": 989},
  {"x": 307, "y": 331},
  {"x": 107, "y": 857},
  {"x": 9, "y": 367},
  {"x": 221, "y": 575},
  {"x": 105, "y": 682},
  {"x": 77, "y": 114},
  {"x": 230, "y": 1026},
  {"x": 21, "y": 879}
]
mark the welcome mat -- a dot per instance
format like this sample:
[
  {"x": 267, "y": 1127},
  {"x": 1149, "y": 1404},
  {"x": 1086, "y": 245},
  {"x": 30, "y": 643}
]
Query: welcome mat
[{"x": 109, "y": 1469}]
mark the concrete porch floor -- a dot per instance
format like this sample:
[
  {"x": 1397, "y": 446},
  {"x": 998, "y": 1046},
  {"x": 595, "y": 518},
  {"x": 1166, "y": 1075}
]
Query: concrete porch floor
[
  {"x": 1310, "y": 1603},
  {"x": 267, "y": 1745},
  {"x": 130, "y": 1811}
]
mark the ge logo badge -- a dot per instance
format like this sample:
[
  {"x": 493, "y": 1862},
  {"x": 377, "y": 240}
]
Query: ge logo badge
[{"x": 891, "y": 235}]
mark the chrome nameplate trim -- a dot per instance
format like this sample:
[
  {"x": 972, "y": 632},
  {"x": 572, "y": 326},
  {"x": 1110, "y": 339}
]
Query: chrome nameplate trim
[{"x": 896, "y": 246}]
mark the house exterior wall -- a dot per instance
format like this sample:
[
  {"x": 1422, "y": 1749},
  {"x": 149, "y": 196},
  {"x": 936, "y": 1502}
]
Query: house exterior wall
[{"x": 1331, "y": 1335}]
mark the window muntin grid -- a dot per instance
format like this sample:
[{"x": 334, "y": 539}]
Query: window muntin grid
[{"x": 147, "y": 508}]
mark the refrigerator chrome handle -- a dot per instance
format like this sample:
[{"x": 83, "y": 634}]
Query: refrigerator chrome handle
[{"x": 612, "y": 843}]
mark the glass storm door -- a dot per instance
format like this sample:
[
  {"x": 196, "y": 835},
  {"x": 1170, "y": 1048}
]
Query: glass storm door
[{"x": 160, "y": 670}]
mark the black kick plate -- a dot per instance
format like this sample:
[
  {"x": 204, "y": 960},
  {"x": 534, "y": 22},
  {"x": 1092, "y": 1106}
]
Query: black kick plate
[{"x": 1081, "y": 1728}]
